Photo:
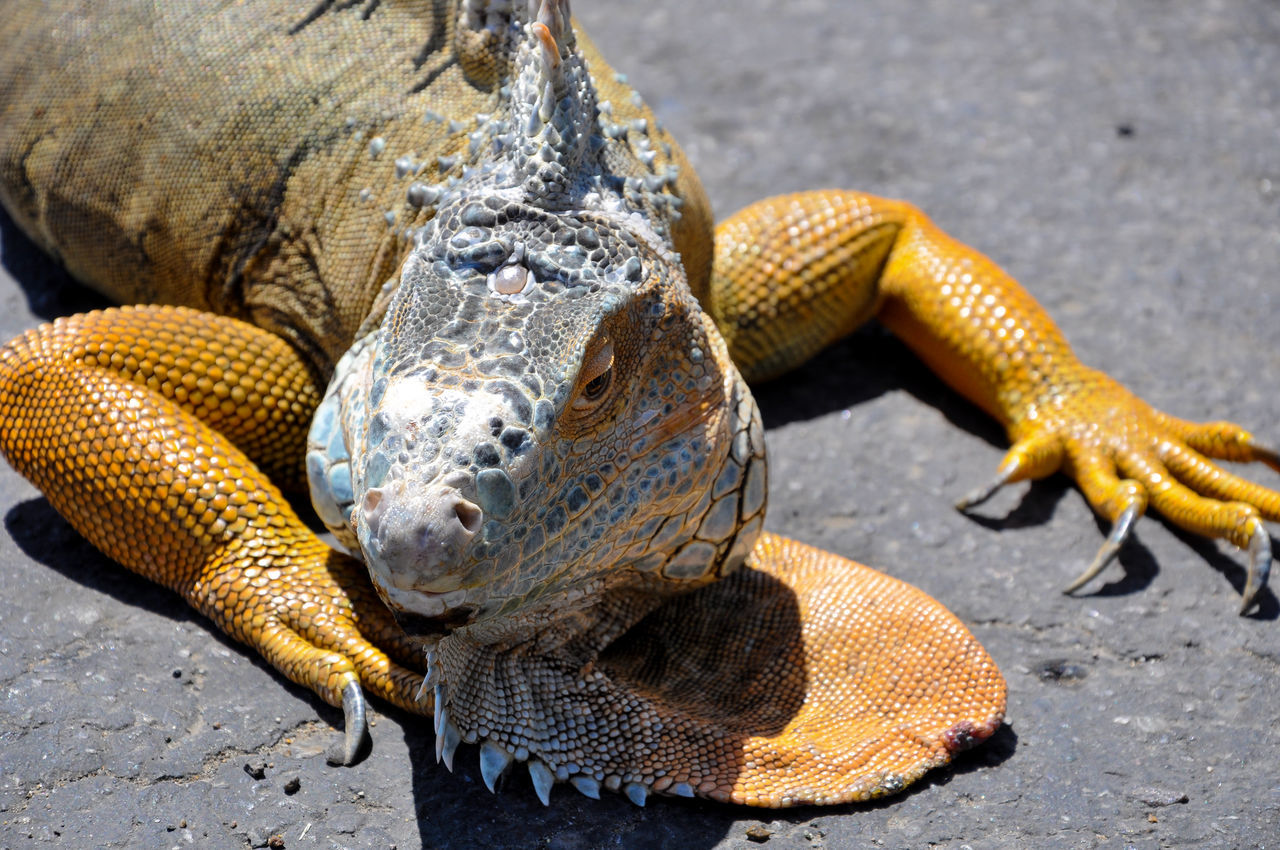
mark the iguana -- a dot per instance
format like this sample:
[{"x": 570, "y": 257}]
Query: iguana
[{"x": 442, "y": 251}]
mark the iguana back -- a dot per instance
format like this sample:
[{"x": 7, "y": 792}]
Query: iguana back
[{"x": 251, "y": 159}]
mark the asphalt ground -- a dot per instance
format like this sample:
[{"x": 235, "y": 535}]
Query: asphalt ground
[{"x": 1122, "y": 159}]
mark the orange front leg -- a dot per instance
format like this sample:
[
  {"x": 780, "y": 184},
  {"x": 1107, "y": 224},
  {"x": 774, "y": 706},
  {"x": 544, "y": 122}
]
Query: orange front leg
[
  {"x": 135, "y": 424},
  {"x": 795, "y": 273}
]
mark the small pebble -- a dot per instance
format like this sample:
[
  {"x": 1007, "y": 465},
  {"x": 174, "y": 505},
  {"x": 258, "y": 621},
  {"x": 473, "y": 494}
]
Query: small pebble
[{"x": 1150, "y": 795}]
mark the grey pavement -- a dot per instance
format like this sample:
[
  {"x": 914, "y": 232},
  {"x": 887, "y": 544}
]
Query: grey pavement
[{"x": 1122, "y": 159}]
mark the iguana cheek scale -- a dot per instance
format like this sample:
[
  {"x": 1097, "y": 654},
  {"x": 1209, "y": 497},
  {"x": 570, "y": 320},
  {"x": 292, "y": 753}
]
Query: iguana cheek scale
[{"x": 536, "y": 432}]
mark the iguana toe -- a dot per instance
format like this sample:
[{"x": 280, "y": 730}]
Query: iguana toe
[
  {"x": 1033, "y": 456},
  {"x": 1259, "y": 567},
  {"x": 1263, "y": 454},
  {"x": 1110, "y": 547},
  {"x": 1004, "y": 476},
  {"x": 355, "y": 734}
]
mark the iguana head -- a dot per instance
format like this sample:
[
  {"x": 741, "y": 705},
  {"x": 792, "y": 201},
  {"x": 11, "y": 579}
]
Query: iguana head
[
  {"x": 549, "y": 414},
  {"x": 544, "y": 437}
]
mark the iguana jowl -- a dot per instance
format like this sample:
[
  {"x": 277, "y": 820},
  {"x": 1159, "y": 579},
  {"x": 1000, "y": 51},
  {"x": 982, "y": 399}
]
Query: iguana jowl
[{"x": 533, "y": 432}]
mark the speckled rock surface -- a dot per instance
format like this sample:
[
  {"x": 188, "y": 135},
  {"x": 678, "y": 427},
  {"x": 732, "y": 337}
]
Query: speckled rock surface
[{"x": 1121, "y": 159}]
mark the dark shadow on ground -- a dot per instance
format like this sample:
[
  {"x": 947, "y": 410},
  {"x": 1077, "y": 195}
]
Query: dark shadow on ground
[
  {"x": 48, "y": 539},
  {"x": 45, "y": 537},
  {"x": 50, "y": 290},
  {"x": 866, "y": 365},
  {"x": 872, "y": 362}
]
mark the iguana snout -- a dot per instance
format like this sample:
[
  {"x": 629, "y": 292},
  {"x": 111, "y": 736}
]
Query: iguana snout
[
  {"x": 436, "y": 485},
  {"x": 425, "y": 535}
]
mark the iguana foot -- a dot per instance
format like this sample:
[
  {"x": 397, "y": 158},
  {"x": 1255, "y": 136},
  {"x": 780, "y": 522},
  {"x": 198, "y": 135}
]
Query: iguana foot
[
  {"x": 110, "y": 413},
  {"x": 796, "y": 272},
  {"x": 803, "y": 678},
  {"x": 1127, "y": 456},
  {"x": 310, "y": 612}
]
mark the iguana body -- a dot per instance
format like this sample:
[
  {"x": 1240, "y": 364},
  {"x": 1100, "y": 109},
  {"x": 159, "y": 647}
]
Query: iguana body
[{"x": 253, "y": 211}]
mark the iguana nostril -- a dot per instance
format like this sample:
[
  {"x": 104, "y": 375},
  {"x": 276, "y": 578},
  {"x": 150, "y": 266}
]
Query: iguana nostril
[
  {"x": 469, "y": 515},
  {"x": 371, "y": 505}
]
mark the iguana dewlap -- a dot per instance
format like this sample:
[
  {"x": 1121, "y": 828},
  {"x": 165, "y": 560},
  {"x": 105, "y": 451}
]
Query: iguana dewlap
[{"x": 442, "y": 258}]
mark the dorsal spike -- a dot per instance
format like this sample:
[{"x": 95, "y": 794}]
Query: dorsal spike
[
  {"x": 553, "y": 102},
  {"x": 636, "y": 792},
  {"x": 449, "y": 740},
  {"x": 495, "y": 761},
  {"x": 442, "y": 725},
  {"x": 438, "y": 694},
  {"x": 543, "y": 779},
  {"x": 587, "y": 785},
  {"x": 554, "y": 15},
  {"x": 550, "y": 47}
]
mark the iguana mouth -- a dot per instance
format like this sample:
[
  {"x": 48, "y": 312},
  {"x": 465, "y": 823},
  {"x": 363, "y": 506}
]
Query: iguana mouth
[{"x": 418, "y": 627}]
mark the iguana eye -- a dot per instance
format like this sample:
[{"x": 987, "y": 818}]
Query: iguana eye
[
  {"x": 596, "y": 386},
  {"x": 597, "y": 374}
]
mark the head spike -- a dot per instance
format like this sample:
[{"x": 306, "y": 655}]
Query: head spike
[
  {"x": 553, "y": 105},
  {"x": 550, "y": 53},
  {"x": 554, "y": 15}
]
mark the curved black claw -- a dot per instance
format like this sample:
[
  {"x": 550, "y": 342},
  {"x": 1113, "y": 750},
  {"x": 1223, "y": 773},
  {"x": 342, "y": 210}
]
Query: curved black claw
[
  {"x": 1110, "y": 547},
  {"x": 1259, "y": 567},
  {"x": 978, "y": 495},
  {"x": 355, "y": 736}
]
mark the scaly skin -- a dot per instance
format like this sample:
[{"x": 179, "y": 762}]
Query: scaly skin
[
  {"x": 795, "y": 273},
  {"x": 112, "y": 414},
  {"x": 535, "y": 435}
]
